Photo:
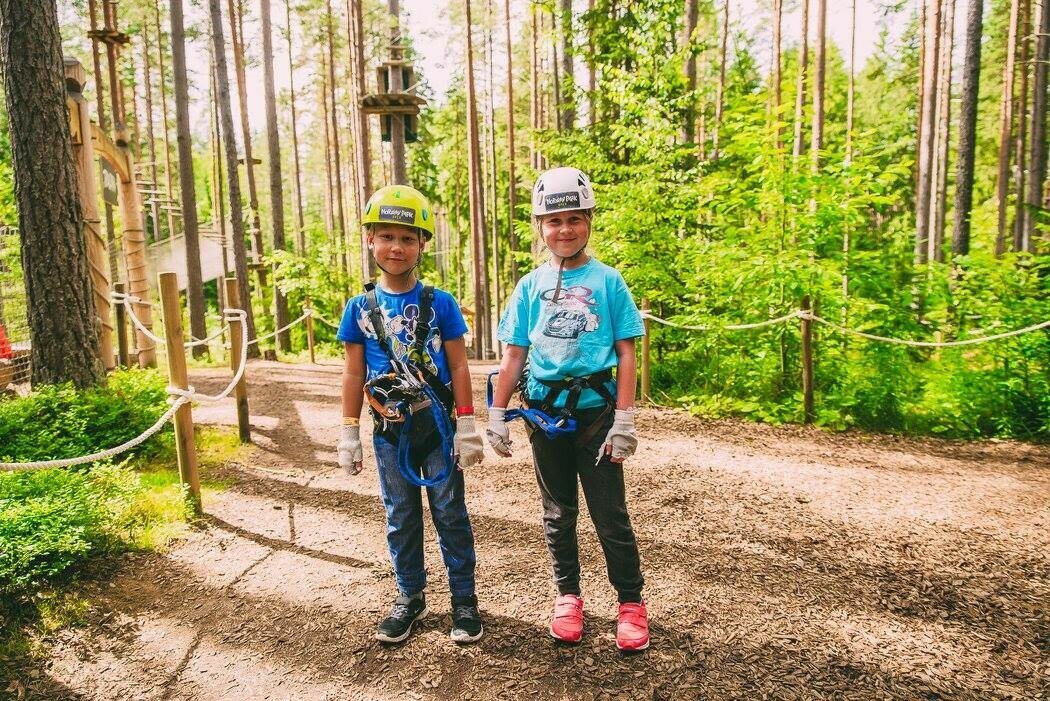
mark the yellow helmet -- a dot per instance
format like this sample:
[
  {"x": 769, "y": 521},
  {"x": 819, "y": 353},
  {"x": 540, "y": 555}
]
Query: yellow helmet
[{"x": 400, "y": 204}]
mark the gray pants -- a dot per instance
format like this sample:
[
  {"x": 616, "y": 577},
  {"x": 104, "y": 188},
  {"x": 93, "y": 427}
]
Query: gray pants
[{"x": 559, "y": 463}]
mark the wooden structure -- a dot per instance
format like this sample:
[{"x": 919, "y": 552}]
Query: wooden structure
[{"x": 119, "y": 159}]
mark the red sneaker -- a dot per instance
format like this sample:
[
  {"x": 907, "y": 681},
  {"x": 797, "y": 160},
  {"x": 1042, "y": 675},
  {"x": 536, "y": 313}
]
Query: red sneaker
[
  {"x": 632, "y": 627},
  {"x": 567, "y": 623}
]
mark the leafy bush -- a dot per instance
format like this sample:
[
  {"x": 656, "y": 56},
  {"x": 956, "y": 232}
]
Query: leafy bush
[
  {"x": 52, "y": 520},
  {"x": 60, "y": 422}
]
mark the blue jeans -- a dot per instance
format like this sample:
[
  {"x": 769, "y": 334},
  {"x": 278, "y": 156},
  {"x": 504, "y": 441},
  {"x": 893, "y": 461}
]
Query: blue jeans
[{"x": 404, "y": 523}]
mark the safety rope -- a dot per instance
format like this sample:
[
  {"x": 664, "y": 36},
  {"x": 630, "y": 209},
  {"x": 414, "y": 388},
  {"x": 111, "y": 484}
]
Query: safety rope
[
  {"x": 728, "y": 327},
  {"x": 178, "y": 397},
  {"x": 280, "y": 330}
]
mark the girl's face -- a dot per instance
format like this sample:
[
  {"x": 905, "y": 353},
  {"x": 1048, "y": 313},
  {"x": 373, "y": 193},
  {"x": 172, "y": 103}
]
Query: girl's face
[
  {"x": 396, "y": 248},
  {"x": 565, "y": 233}
]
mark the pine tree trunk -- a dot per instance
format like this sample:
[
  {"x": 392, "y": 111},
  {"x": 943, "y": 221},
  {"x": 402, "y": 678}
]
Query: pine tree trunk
[
  {"x": 512, "y": 183},
  {"x": 568, "y": 112},
  {"x": 150, "y": 119},
  {"x": 337, "y": 159},
  {"x": 326, "y": 124},
  {"x": 592, "y": 113},
  {"x": 690, "y": 18},
  {"x": 273, "y": 147},
  {"x": 776, "y": 66},
  {"x": 493, "y": 197},
  {"x": 477, "y": 203},
  {"x": 967, "y": 130},
  {"x": 944, "y": 94},
  {"x": 534, "y": 92},
  {"x": 362, "y": 154},
  {"x": 800, "y": 82},
  {"x": 851, "y": 86},
  {"x": 169, "y": 188},
  {"x": 187, "y": 186},
  {"x": 236, "y": 11},
  {"x": 233, "y": 186},
  {"x": 300, "y": 224},
  {"x": 1006, "y": 120},
  {"x": 817, "y": 137},
  {"x": 720, "y": 99},
  {"x": 924, "y": 186},
  {"x": 1037, "y": 152},
  {"x": 1020, "y": 143},
  {"x": 218, "y": 202},
  {"x": 65, "y": 341}
]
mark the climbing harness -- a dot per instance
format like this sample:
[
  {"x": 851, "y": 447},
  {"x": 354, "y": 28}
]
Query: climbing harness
[
  {"x": 559, "y": 422},
  {"x": 411, "y": 407}
]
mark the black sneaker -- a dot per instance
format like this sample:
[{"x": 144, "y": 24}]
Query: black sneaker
[
  {"x": 398, "y": 625},
  {"x": 466, "y": 620}
]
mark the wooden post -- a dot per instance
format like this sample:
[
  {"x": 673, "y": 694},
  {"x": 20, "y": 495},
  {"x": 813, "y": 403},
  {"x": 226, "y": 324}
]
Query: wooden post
[
  {"x": 122, "y": 329},
  {"x": 240, "y": 392},
  {"x": 185, "y": 449},
  {"x": 646, "y": 398},
  {"x": 807, "y": 364},
  {"x": 310, "y": 330}
]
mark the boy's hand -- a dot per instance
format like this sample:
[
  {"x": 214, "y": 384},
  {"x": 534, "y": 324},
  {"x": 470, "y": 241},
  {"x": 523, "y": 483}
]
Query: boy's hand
[
  {"x": 498, "y": 432},
  {"x": 621, "y": 441},
  {"x": 349, "y": 449},
  {"x": 469, "y": 448}
]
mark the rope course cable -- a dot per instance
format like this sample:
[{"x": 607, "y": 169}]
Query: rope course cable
[
  {"x": 728, "y": 327},
  {"x": 280, "y": 330},
  {"x": 178, "y": 397}
]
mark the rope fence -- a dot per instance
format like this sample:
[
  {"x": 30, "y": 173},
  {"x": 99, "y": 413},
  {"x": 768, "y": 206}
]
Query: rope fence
[{"x": 807, "y": 318}]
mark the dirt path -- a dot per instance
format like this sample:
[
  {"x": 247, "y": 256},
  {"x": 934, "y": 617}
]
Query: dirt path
[{"x": 781, "y": 563}]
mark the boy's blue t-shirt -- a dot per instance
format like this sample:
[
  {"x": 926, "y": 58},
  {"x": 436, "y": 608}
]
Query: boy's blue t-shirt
[
  {"x": 577, "y": 336},
  {"x": 401, "y": 314}
]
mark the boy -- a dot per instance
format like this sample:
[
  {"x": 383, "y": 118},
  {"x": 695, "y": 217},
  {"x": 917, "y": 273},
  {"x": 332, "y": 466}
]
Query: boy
[
  {"x": 573, "y": 319},
  {"x": 427, "y": 354}
]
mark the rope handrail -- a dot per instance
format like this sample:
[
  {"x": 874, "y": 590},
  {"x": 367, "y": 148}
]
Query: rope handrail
[
  {"x": 810, "y": 316},
  {"x": 319, "y": 317},
  {"x": 277, "y": 331},
  {"x": 178, "y": 398}
]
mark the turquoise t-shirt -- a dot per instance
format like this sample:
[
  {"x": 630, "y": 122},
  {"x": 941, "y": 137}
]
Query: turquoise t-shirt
[{"x": 576, "y": 336}]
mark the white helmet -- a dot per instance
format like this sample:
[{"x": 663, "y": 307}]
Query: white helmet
[{"x": 560, "y": 190}]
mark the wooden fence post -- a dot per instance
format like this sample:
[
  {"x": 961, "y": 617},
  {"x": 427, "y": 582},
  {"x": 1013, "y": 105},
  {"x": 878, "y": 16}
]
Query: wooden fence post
[
  {"x": 807, "y": 364},
  {"x": 122, "y": 329},
  {"x": 646, "y": 398},
  {"x": 240, "y": 392},
  {"x": 310, "y": 330},
  {"x": 185, "y": 450}
]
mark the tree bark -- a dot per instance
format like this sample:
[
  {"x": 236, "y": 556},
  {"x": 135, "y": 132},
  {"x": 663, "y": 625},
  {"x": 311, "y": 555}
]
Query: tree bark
[
  {"x": 512, "y": 183},
  {"x": 360, "y": 127},
  {"x": 337, "y": 159},
  {"x": 568, "y": 110},
  {"x": 1020, "y": 152},
  {"x": 477, "y": 203},
  {"x": 967, "y": 130},
  {"x": 592, "y": 113},
  {"x": 65, "y": 342},
  {"x": 233, "y": 186},
  {"x": 493, "y": 196},
  {"x": 800, "y": 82},
  {"x": 851, "y": 86},
  {"x": 534, "y": 90},
  {"x": 1006, "y": 120},
  {"x": 690, "y": 17},
  {"x": 187, "y": 186},
  {"x": 817, "y": 137},
  {"x": 1037, "y": 152},
  {"x": 169, "y": 188},
  {"x": 720, "y": 99},
  {"x": 300, "y": 224},
  {"x": 944, "y": 95},
  {"x": 237, "y": 43},
  {"x": 924, "y": 185},
  {"x": 775, "y": 69},
  {"x": 273, "y": 147},
  {"x": 150, "y": 119},
  {"x": 399, "y": 173}
]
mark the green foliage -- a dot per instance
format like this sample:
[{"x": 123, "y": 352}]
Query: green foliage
[{"x": 58, "y": 421}]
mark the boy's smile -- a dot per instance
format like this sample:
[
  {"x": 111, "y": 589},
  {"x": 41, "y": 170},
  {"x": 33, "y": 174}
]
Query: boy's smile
[
  {"x": 566, "y": 233},
  {"x": 396, "y": 248}
]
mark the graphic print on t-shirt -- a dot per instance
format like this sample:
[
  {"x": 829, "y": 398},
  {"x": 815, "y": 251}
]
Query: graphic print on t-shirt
[
  {"x": 401, "y": 331},
  {"x": 573, "y": 313}
]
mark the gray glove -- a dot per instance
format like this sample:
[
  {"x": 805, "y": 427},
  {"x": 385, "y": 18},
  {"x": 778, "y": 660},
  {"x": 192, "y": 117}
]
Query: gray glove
[
  {"x": 621, "y": 441},
  {"x": 349, "y": 449},
  {"x": 498, "y": 432},
  {"x": 468, "y": 443}
]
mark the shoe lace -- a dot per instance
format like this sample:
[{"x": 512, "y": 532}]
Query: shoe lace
[
  {"x": 461, "y": 611},
  {"x": 399, "y": 610}
]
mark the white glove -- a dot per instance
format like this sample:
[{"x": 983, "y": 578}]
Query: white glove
[
  {"x": 469, "y": 447},
  {"x": 621, "y": 441},
  {"x": 349, "y": 449},
  {"x": 498, "y": 432}
]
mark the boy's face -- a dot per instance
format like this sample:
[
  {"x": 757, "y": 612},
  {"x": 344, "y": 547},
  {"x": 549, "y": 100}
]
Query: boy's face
[
  {"x": 565, "y": 233},
  {"x": 396, "y": 248}
]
